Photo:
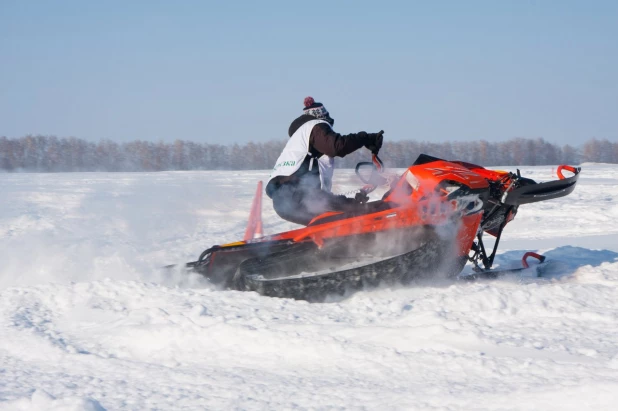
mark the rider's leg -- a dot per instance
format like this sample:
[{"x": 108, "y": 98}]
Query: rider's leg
[{"x": 288, "y": 204}]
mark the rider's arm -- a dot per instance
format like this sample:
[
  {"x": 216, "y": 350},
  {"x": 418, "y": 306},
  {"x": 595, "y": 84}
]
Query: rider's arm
[{"x": 325, "y": 140}]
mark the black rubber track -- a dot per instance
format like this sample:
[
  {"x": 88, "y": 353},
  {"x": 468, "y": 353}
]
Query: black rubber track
[{"x": 291, "y": 273}]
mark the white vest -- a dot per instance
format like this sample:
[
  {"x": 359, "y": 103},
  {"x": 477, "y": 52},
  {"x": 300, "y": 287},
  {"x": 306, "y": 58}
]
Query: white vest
[{"x": 294, "y": 154}]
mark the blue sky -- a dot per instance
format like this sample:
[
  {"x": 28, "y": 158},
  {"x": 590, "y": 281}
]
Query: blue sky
[{"x": 235, "y": 71}]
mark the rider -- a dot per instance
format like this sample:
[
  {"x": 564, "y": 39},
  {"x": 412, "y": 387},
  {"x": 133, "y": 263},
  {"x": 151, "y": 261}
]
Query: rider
[{"x": 300, "y": 182}]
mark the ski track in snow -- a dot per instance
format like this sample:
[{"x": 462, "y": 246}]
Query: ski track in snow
[{"x": 88, "y": 321}]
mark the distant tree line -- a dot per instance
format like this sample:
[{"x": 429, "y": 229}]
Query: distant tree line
[{"x": 52, "y": 154}]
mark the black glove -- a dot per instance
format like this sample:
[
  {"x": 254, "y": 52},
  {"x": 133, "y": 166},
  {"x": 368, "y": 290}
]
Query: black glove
[{"x": 375, "y": 141}]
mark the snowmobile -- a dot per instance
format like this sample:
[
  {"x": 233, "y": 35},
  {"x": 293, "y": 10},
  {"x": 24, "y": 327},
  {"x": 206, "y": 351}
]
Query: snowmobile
[{"x": 430, "y": 222}]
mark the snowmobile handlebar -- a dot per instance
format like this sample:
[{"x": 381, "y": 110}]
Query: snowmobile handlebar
[{"x": 377, "y": 167}]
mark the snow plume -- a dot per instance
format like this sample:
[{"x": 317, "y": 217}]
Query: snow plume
[
  {"x": 445, "y": 233},
  {"x": 124, "y": 226}
]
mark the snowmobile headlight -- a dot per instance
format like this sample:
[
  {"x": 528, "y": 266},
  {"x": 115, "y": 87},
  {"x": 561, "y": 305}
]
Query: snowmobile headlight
[{"x": 412, "y": 180}]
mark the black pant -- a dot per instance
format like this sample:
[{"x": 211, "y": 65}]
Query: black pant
[{"x": 300, "y": 204}]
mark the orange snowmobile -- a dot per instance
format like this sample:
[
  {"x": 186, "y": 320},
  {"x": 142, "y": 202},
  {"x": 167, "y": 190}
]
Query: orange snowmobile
[{"x": 429, "y": 223}]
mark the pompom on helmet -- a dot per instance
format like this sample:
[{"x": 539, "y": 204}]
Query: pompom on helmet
[{"x": 317, "y": 110}]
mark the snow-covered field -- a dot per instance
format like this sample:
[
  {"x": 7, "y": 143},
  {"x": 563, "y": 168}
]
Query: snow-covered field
[{"x": 89, "y": 321}]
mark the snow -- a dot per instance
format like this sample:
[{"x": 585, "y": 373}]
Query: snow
[{"x": 89, "y": 321}]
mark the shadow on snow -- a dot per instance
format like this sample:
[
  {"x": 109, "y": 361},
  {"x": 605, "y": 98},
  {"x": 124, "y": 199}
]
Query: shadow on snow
[{"x": 562, "y": 261}]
